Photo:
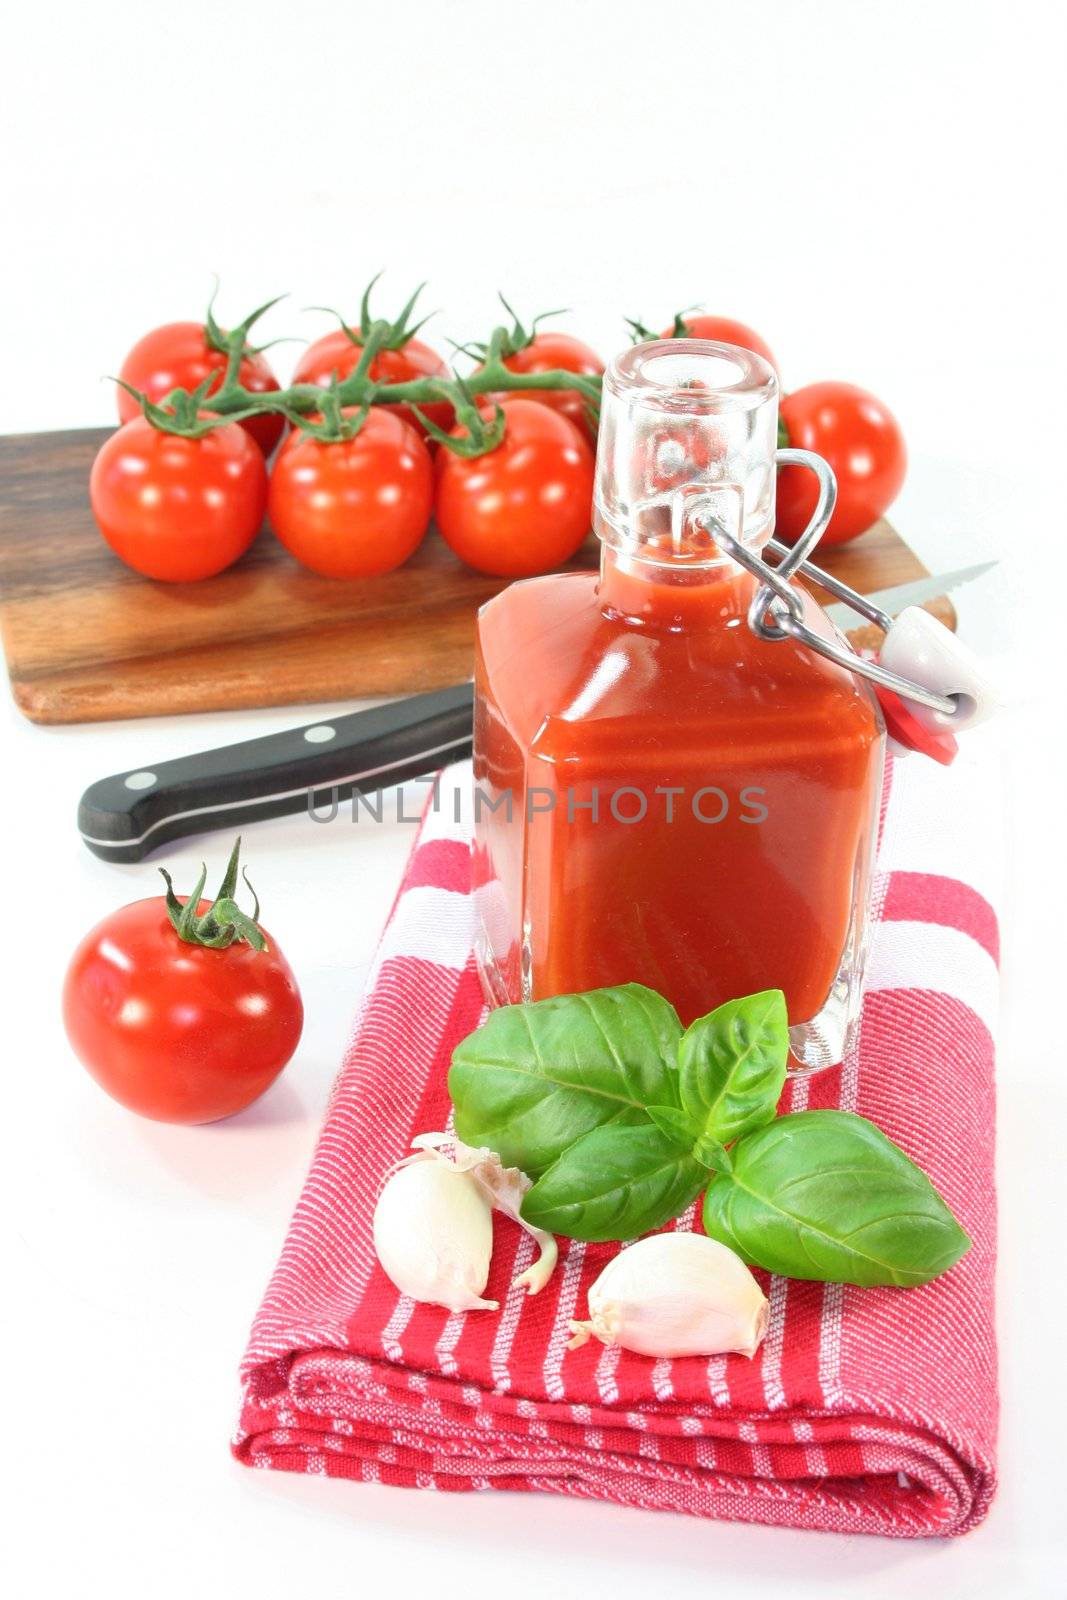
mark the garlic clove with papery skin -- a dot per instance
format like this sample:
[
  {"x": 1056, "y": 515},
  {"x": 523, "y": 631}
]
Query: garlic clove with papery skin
[
  {"x": 504, "y": 1188},
  {"x": 433, "y": 1234},
  {"x": 675, "y": 1294},
  {"x": 433, "y": 1224}
]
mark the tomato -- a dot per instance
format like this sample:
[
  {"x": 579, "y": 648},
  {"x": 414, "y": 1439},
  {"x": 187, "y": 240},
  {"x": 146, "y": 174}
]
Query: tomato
[
  {"x": 336, "y": 353},
  {"x": 524, "y": 507},
  {"x": 357, "y": 507},
  {"x": 175, "y": 1031},
  {"x": 863, "y": 443},
  {"x": 178, "y": 356},
  {"x": 548, "y": 352},
  {"x": 726, "y": 331},
  {"x": 175, "y": 508}
]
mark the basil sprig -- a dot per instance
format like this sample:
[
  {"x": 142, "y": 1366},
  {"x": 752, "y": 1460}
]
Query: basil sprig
[{"x": 622, "y": 1118}]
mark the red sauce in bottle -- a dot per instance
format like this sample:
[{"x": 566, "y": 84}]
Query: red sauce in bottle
[
  {"x": 662, "y": 796},
  {"x": 595, "y": 709}
]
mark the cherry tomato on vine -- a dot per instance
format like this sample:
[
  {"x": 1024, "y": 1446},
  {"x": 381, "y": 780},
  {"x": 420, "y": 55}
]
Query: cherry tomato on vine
[
  {"x": 178, "y": 356},
  {"x": 175, "y": 1028},
  {"x": 175, "y": 508},
  {"x": 861, "y": 440},
  {"x": 336, "y": 353},
  {"x": 524, "y": 507},
  {"x": 355, "y": 507},
  {"x": 726, "y": 330},
  {"x": 560, "y": 352}
]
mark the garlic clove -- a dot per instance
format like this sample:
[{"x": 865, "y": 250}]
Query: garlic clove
[
  {"x": 504, "y": 1188},
  {"x": 433, "y": 1234},
  {"x": 675, "y": 1294},
  {"x": 433, "y": 1224}
]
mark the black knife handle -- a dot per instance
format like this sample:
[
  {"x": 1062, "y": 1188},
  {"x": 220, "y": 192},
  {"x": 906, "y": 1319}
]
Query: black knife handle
[{"x": 125, "y": 817}]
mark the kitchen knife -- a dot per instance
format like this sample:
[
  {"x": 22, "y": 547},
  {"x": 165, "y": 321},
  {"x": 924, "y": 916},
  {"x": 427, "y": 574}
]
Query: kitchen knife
[{"x": 125, "y": 817}]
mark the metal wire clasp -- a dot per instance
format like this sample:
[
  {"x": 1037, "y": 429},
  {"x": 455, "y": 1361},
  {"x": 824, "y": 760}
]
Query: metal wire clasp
[{"x": 777, "y": 610}]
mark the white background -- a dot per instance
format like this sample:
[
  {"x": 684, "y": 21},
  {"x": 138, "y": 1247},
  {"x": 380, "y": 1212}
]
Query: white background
[{"x": 877, "y": 188}]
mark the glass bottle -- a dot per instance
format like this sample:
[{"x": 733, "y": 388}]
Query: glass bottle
[{"x": 662, "y": 796}]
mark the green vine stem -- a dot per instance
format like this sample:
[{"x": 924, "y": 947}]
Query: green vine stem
[{"x": 188, "y": 415}]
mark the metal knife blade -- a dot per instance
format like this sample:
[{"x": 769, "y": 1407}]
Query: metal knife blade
[{"x": 916, "y": 593}]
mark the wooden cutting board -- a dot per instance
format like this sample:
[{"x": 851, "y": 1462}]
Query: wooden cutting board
[{"x": 86, "y": 639}]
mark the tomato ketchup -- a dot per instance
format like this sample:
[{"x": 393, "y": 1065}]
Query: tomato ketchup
[{"x": 661, "y": 795}]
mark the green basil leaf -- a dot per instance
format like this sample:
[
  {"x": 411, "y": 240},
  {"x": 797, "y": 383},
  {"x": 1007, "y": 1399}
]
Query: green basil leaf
[
  {"x": 731, "y": 1065},
  {"x": 673, "y": 1122},
  {"x": 825, "y": 1195},
  {"x": 710, "y": 1153},
  {"x": 533, "y": 1078},
  {"x": 615, "y": 1183}
]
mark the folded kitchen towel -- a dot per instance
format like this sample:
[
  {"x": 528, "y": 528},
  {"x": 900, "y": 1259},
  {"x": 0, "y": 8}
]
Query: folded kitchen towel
[{"x": 865, "y": 1410}]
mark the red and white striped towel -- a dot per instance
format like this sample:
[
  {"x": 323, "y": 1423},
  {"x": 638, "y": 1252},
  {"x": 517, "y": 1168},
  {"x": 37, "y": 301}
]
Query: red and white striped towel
[{"x": 865, "y": 1411}]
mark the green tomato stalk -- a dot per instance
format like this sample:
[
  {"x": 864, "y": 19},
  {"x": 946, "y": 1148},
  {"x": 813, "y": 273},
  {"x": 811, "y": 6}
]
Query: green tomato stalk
[
  {"x": 223, "y": 923},
  {"x": 185, "y": 414}
]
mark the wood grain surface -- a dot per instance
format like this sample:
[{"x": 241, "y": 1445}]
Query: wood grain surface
[{"x": 86, "y": 639}]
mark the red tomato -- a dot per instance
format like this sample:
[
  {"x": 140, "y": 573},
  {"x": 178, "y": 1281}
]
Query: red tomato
[
  {"x": 726, "y": 331},
  {"x": 178, "y": 356},
  {"x": 860, "y": 439},
  {"x": 524, "y": 507},
  {"x": 176, "y": 1031},
  {"x": 548, "y": 352},
  {"x": 357, "y": 507},
  {"x": 174, "y": 508},
  {"x": 335, "y": 352}
]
